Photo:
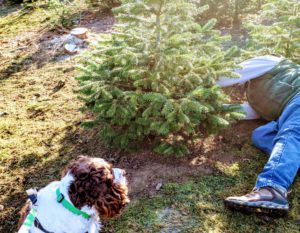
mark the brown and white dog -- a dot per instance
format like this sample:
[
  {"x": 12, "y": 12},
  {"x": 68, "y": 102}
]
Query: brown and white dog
[{"x": 91, "y": 186}]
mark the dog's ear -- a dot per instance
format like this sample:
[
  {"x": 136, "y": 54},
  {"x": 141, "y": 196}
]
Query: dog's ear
[
  {"x": 72, "y": 164},
  {"x": 113, "y": 202},
  {"x": 94, "y": 185},
  {"x": 92, "y": 179}
]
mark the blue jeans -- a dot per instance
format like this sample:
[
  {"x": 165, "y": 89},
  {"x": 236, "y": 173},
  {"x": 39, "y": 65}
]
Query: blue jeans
[{"x": 281, "y": 140}]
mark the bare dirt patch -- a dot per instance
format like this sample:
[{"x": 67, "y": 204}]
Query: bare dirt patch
[{"x": 97, "y": 22}]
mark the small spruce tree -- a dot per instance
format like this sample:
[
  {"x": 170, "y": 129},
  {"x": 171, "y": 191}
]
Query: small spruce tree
[
  {"x": 281, "y": 33},
  {"x": 155, "y": 77}
]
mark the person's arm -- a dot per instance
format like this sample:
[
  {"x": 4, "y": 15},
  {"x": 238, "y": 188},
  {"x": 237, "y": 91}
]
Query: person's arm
[
  {"x": 245, "y": 108},
  {"x": 250, "y": 69},
  {"x": 250, "y": 113}
]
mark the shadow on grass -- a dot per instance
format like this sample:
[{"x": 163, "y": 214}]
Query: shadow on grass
[
  {"x": 7, "y": 10},
  {"x": 35, "y": 54},
  {"x": 28, "y": 172},
  {"x": 15, "y": 66}
]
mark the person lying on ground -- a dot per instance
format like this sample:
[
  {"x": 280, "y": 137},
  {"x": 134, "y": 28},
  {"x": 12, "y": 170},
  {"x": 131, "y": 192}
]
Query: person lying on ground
[{"x": 272, "y": 87}]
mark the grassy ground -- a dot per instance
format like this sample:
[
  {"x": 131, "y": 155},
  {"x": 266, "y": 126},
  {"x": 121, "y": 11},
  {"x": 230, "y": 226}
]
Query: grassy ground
[
  {"x": 197, "y": 206},
  {"x": 40, "y": 133}
]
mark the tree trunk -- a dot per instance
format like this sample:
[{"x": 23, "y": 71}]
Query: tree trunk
[
  {"x": 236, "y": 19},
  {"x": 259, "y": 4}
]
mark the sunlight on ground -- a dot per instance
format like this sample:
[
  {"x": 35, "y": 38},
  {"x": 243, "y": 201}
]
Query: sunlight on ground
[{"x": 229, "y": 170}]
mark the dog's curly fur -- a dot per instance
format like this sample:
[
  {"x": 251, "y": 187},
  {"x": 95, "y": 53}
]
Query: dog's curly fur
[{"x": 94, "y": 186}]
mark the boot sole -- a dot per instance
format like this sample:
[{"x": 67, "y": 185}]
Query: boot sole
[{"x": 259, "y": 209}]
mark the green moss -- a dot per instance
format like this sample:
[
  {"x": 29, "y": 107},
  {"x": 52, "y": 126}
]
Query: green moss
[{"x": 5, "y": 153}]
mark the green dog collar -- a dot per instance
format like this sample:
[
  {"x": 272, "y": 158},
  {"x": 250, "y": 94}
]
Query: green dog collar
[
  {"x": 61, "y": 199},
  {"x": 30, "y": 218}
]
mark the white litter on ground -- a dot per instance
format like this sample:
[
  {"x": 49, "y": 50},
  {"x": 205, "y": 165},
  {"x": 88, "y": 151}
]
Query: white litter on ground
[{"x": 70, "y": 44}]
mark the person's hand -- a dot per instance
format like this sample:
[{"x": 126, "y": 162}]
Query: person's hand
[{"x": 249, "y": 111}]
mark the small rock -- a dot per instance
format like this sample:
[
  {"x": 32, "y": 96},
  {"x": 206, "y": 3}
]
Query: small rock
[
  {"x": 247, "y": 160},
  {"x": 158, "y": 186},
  {"x": 266, "y": 218},
  {"x": 1, "y": 207},
  {"x": 3, "y": 114},
  {"x": 135, "y": 166},
  {"x": 70, "y": 48}
]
